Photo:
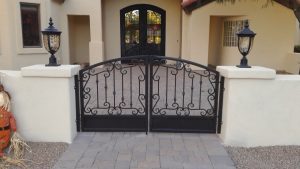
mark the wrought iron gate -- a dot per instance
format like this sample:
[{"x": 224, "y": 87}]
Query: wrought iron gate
[{"x": 153, "y": 93}]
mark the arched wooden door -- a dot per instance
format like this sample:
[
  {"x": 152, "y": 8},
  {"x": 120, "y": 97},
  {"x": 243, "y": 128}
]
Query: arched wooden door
[{"x": 142, "y": 30}]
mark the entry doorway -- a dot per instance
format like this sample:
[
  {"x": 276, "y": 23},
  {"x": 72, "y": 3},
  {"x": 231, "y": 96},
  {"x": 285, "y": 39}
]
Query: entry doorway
[
  {"x": 79, "y": 39},
  {"x": 142, "y": 30}
]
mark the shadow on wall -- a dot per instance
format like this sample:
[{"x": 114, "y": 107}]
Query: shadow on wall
[
  {"x": 79, "y": 39},
  {"x": 82, "y": 65}
]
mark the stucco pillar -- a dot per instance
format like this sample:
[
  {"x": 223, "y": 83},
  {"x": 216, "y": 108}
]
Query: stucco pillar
[
  {"x": 43, "y": 101},
  {"x": 260, "y": 108},
  {"x": 243, "y": 105},
  {"x": 96, "y": 43},
  {"x": 96, "y": 52}
]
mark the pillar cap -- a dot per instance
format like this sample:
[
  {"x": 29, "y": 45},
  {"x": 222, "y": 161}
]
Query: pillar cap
[{"x": 255, "y": 72}]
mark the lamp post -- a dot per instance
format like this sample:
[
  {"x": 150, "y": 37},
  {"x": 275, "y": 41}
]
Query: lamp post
[
  {"x": 51, "y": 40},
  {"x": 245, "y": 43}
]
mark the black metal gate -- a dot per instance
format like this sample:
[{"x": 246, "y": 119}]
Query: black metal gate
[{"x": 153, "y": 93}]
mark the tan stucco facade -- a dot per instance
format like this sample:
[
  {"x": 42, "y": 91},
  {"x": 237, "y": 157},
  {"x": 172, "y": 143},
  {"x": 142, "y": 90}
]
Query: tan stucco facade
[
  {"x": 12, "y": 53},
  {"x": 197, "y": 36},
  {"x": 274, "y": 25}
]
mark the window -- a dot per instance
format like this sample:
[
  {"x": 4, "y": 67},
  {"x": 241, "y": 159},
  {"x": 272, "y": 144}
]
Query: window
[
  {"x": 30, "y": 19},
  {"x": 230, "y": 29}
]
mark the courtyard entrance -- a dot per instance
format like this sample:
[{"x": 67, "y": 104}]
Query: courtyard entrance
[{"x": 153, "y": 93}]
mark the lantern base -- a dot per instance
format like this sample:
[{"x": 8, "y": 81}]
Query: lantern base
[
  {"x": 243, "y": 66},
  {"x": 244, "y": 63},
  {"x": 52, "y": 64},
  {"x": 52, "y": 61}
]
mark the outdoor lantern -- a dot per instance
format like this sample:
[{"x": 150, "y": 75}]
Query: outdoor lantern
[
  {"x": 51, "y": 40},
  {"x": 245, "y": 43}
]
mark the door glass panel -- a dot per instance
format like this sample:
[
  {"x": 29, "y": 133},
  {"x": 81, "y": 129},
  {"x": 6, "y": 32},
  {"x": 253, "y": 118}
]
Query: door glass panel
[
  {"x": 132, "y": 32},
  {"x": 153, "y": 27}
]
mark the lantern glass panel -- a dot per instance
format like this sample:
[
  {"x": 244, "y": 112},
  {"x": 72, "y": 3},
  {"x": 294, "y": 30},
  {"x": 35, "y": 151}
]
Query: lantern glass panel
[
  {"x": 45, "y": 41},
  {"x": 54, "y": 42},
  {"x": 244, "y": 44}
]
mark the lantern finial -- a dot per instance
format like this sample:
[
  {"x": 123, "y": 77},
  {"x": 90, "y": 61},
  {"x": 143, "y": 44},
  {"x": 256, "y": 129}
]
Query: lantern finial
[
  {"x": 50, "y": 22},
  {"x": 247, "y": 24}
]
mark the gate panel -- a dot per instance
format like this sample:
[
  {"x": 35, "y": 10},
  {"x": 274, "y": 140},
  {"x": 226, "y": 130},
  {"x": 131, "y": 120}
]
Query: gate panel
[
  {"x": 114, "y": 96},
  {"x": 184, "y": 96}
]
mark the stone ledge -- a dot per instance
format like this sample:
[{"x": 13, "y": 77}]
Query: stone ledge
[
  {"x": 65, "y": 71},
  {"x": 256, "y": 72}
]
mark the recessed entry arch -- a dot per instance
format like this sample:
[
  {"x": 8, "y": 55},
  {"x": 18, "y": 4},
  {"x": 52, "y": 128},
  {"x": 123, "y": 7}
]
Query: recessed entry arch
[{"x": 143, "y": 30}]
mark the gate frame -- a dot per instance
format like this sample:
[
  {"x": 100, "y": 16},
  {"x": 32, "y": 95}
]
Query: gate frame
[{"x": 148, "y": 63}]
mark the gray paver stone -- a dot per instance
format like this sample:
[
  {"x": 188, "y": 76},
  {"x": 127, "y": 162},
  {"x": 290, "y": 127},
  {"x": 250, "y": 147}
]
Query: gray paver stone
[{"x": 140, "y": 151}]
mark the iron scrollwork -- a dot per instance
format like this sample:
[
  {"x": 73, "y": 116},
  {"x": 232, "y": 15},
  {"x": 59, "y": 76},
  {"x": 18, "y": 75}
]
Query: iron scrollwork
[
  {"x": 186, "y": 92},
  {"x": 106, "y": 90}
]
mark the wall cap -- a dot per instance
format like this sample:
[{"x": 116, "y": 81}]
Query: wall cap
[
  {"x": 65, "y": 71},
  {"x": 256, "y": 72}
]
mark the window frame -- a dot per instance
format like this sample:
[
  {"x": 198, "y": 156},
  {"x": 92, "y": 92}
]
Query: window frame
[
  {"x": 21, "y": 50},
  {"x": 229, "y": 33},
  {"x": 39, "y": 23}
]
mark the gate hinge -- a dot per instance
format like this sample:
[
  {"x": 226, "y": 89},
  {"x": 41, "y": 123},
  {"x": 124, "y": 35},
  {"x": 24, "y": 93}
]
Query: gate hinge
[{"x": 220, "y": 123}]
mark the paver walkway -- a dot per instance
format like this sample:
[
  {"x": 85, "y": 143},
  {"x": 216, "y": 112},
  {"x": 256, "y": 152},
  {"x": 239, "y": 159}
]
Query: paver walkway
[{"x": 140, "y": 151}]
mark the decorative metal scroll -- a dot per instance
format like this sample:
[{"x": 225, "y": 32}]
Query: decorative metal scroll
[
  {"x": 114, "y": 88},
  {"x": 181, "y": 89}
]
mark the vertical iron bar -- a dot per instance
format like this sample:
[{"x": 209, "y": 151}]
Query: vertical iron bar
[
  {"x": 122, "y": 99},
  {"x": 114, "y": 81},
  {"x": 183, "y": 86},
  {"x": 175, "y": 79},
  {"x": 77, "y": 96},
  {"x": 81, "y": 93},
  {"x": 192, "y": 90},
  {"x": 97, "y": 84},
  {"x": 158, "y": 81},
  {"x": 105, "y": 88},
  {"x": 140, "y": 86},
  {"x": 221, "y": 92},
  {"x": 151, "y": 95},
  {"x": 130, "y": 87},
  {"x": 146, "y": 63},
  {"x": 216, "y": 97},
  {"x": 167, "y": 78},
  {"x": 200, "y": 92}
]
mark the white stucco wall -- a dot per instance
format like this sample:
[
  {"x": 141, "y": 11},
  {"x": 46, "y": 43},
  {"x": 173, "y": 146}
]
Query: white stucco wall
[
  {"x": 111, "y": 25},
  {"x": 274, "y": 25},
  {"x": 43, "y": 102},
  {"x": 260, "y": 108}
]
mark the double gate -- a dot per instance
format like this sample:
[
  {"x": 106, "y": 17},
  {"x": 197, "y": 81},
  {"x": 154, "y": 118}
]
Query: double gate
[{"x": 152, "y": 93}]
